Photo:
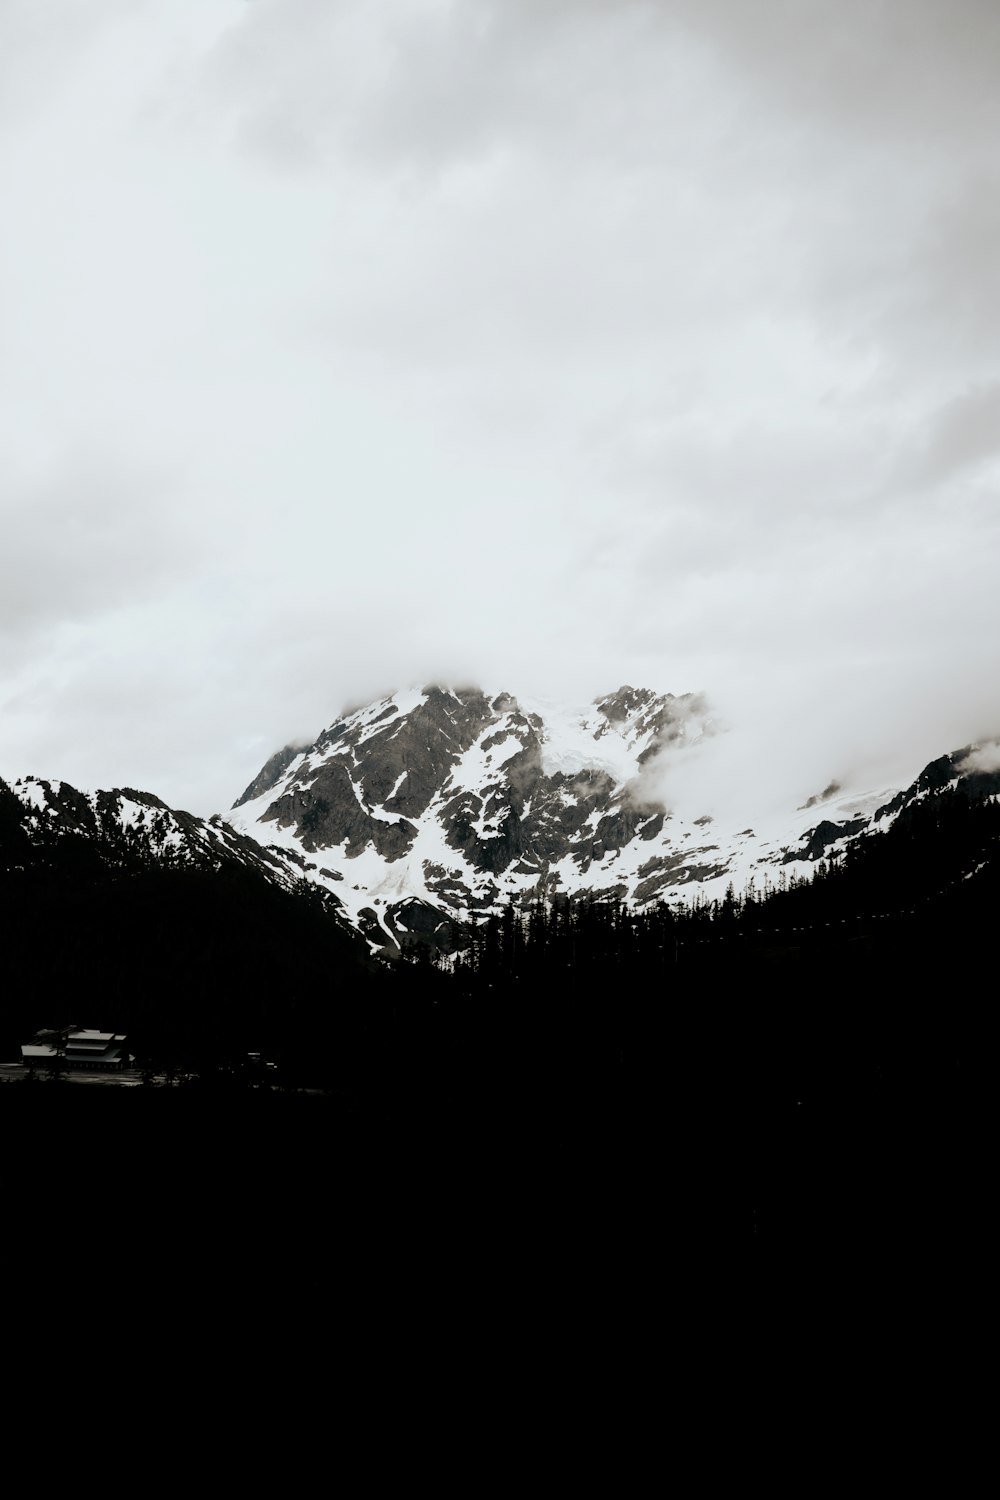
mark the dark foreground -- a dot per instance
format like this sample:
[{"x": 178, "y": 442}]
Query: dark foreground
[
  {"x": 758, "y": 1143},
  {"x": 804, "y": 1069}
]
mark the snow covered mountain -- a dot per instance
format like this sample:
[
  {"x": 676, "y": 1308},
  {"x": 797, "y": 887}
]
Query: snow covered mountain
[
  {"x": 129, "y": 828},
  {"x": 435, "y": 805},
  {"x": 441, "y": 803}
]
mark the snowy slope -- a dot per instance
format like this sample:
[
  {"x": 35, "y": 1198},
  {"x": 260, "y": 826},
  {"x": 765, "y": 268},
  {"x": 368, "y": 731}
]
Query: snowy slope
[
  {"x": 134, "y": 828},
  {"x": 435, "y": 805},
  {"x": 458, "y": 800}
]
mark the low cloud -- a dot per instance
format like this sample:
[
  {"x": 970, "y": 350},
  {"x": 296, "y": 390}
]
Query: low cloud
[
  {"x": 542, "y": 346},
  {"x": 984, "y": 758}
]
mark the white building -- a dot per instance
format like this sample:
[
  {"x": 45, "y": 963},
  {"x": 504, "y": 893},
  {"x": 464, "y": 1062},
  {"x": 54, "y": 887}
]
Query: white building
[{"x": 99, "y": 1051}]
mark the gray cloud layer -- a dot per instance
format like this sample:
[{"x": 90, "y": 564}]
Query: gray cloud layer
[{"x": 549, "y": 342}]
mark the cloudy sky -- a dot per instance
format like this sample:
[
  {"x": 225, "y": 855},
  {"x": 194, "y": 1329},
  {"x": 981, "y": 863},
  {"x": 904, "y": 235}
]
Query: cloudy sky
[{"x": 550, "y": 344}]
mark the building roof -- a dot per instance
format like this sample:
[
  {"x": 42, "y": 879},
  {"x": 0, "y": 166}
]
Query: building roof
[{"x": 78, "y": 1044}]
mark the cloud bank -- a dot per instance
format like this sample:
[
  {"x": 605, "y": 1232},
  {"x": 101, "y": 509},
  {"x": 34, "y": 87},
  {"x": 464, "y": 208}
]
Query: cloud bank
[{"x": 546, "y": 345}]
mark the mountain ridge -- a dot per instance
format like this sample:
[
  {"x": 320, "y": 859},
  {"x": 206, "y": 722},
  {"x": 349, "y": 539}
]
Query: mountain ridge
[
  {"x": 459, "y": 800},
  {"x": 435, "y": 806}
]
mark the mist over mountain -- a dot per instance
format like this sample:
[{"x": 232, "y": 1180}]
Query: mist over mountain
[
  {"x": 438, "y": 804},
  {"x": 412, "y": 817}
]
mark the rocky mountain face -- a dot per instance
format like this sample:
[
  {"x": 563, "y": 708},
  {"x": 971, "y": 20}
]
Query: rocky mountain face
[
  {"x": 450, "y": 801},
  {"x": 976, "y": 769},
  {"x": 436, "y": 804},
  {"x": 131, "y": 829}
]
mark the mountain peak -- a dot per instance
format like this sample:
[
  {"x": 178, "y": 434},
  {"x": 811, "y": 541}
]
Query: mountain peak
[
  {"x": 269, "y": 774},
  {"x": 451, "y": 801},
  {"x": 459, "y": 798},
  {"x": 620, "y": 706}
]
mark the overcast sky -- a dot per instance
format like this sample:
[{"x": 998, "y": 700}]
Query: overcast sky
[{"x": 550, "y": 344}]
